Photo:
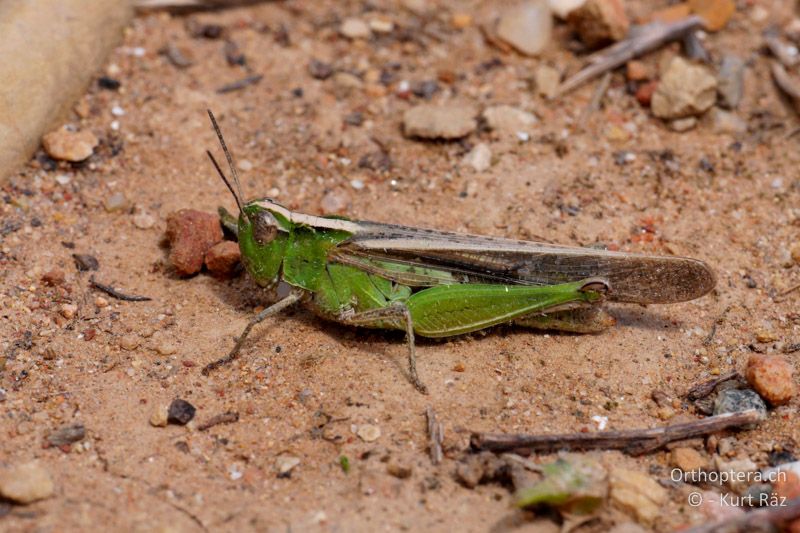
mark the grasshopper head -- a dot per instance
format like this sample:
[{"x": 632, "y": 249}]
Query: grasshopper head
[{"x": 263, "y": 235}]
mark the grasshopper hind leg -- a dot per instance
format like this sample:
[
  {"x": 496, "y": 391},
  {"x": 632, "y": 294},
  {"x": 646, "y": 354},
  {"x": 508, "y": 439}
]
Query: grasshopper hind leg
[
  {"x": 395, "y": 316},
  {"x": 582, "y": 320}
]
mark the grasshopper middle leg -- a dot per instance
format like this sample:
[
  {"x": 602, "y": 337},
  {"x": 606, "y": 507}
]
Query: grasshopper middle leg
[{"x": 399, "y": 315}]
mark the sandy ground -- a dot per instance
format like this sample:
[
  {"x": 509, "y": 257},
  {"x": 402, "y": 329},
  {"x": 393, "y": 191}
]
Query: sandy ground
[{"x": 732, "y": 202}]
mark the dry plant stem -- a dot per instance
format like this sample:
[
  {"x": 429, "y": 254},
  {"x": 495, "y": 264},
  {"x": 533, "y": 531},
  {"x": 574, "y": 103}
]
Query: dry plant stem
[
  {"x": 634, "y": 442},
  {"x": 758, "y": 520},
  {"x": 646, "y": 39},
  {"x": 224, "y": 418},
  {"x": 111, "y": 291},
  {"x": 597, "y": 98},
  {"x": 701, "y": 390},
  {"x": 435, "y": 436}
]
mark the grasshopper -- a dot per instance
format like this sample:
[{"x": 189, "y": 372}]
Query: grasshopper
[{"x": 439, "y": 284}]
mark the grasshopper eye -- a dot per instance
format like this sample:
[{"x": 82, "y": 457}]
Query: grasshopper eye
[{"x": 265, "y": 228}]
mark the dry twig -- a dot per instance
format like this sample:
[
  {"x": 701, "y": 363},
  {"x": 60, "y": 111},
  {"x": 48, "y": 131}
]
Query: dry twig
[
  {"x": 111, "y": 291},
  {"x": 435, "y": 436}
]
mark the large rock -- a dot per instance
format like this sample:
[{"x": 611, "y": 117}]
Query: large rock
[
  {"x": 526, "y": 26},
  {"x": 429, "y": 121},
  {"x": 685, "y": 90},
  {"x": 26, "y": 483}
]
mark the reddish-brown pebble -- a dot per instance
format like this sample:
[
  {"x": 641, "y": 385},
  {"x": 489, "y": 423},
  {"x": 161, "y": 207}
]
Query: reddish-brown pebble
[
  {"x": 715, "y": 13},
  {"x": 599, "y": 21},
  {"x": 771, "y": 377},
  {"x": 787, "y": 485},
  {"x": 54, "y": 277},
  {"x": 191, "y": 233},
  {"x": 671, "y": 13},
  {"x": 645, "y": 92},
  {"x": 637, "y": 71},
  {"x": 223, "y": 258}
]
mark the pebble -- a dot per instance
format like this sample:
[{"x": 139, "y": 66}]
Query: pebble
[
  {"x": 599, "y": 22},
  {"x": 715, "y": 13},
  {"x": 644, "y": 94},
  {"x": 159, "y": 416},
  {"x": 320, "y": 70},
  {"x": 85, "y": 262},
  {"x": 479, "y": 158},
  {"x": 355, "y": 28},
  {"x": 129, "y": 342},
  {"x": 461, "y": 21},
  {"x": 66, "y": 435},
  {"x": 738, "y": 473},
  {"x": 54, "y": 277},
  {"x": 166, "y": 348},
  {"x": 26, "y": 483},
  {"x": 787, "y": 485},
  {"x": 191, "y": 233},
  {"x": 683, "y": 124},
  {"x": 637, "y": 493},
  {"x": 400, "y": 471},
  {"x": 368, "y": 432},
  {"x": 66, "y": 145},
  {"x": 116, "y": 202},
  {"x": 637, "y": 71},
  {"x": 180, "y": 412},
  {"x": 223, "y": 258},
  {"x": 526, "y": 26},
  {"x": 736, "y": 400},
  {"x": 547, "y": 80},
  {"x": 562, "y": 8},
  {"x": 68, "y": 310},
  {"x": 381, "y": 25},
  {"x": 430, "y": 121},
  {"x": 794, "y": 252},
  {"x": 685, "y": 89},
  {"x": 284, "y": 464},
  {"x": 508, "y": 119},
  {"x": 144, "y": 220},
  {"x": 100, "y": 302},
  {"x": 244, "y": 165},
  {"x": 730, "y": 81},
  {"x": 335, "y": 201},
  {"x": 688, "y": 460},
  {"x": 726, "y": 122},
  {"x": 771, "y": 377}
]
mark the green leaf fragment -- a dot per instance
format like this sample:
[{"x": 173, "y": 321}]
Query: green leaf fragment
[{"x": 577, "y": 486}]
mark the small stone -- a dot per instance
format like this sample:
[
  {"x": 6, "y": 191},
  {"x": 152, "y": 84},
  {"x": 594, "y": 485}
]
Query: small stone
[
  {"x": 508, "y": 119},
  {"x": 461, "y": 21},
  {"x": 85, "y": 262},
  {"x": 399, "y": 471},
  {"x": 100, "y": 302},
  {"x": 562, "y": 8},
  {"x": 671, "y": 14},
  {"x": 159, "y": 417},
  {"x": 738, "y": 473},
  {"x": 320, "y": 70},
  {"x": 479, "y": 158},
  {"x": 685, "y": 89},
  {"x": 787, "y": 485},
  {"x": 688, "y": 460},
  {"x": 715, "y": 13},
  {"x": 144, "y": 220},
  {"x": 66, "y": 145},
  {"x": 284, "y": 464},
  {"x": 166, "y": 348},
  {"x": 368, "y": 432},
  {"x": 335, "y": 201},
  {"x": 191, "y": 233},
  {"x": 68, "y": 310},
  {"x": 129, "y": 342},
  {"x": 526, "y": 26},
  {"x": 116, "y": 202},
  {"x": 794, "y": 252},
  {"x": 346, "y": 83},
  {"x": 26, "y": 483},
  {"x": 54, "y": 277},
  {"x": 547, "y": 80},
  {"x": 637, "y": 71},
  {"x": 599, "y": 22},
  {"x": 765, "y": 335},
  {"x": 726, "y": 122},
  {"x": 244, "y": 165},
  {"x": 180, "y": 412},
  {"x": 737, "y": 400},
  {"x": 771, "y": 377},
  {"x": 381, "y": 25},
  {"x": 355, "y": 28},
  {"x": 683, "y": 124},
  {"x": 429, "y": 121},
  {"x": 644, "y": 94},
  {"x": 730, "y": 82},
  {"x": 223, "y": 258},
  {"x": 637, "y": 493},
  {"x": 66, "y": 435}
]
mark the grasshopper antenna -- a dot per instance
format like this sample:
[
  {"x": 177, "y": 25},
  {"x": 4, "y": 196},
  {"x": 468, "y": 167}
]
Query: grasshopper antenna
[{"x": 230, "y": 163}]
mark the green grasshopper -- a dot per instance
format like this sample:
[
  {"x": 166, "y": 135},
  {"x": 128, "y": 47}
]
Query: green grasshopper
[{"x": 439, "y": 284}]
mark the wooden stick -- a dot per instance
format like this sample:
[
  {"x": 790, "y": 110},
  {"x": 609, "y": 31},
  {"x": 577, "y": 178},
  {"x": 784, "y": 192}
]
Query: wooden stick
[
  {"x": 634, "y": 442},
  {"x": 642, "y": 40},
  {"x": 435, "y": 436},
  {"x": 701, "y": 390},
  {"x": 758, "y": 520}
]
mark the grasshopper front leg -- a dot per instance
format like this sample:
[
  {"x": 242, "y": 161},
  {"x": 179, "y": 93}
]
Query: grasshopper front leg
[
  {"x": 274, "y": 309},
  {"x": 399, "y": 316}
]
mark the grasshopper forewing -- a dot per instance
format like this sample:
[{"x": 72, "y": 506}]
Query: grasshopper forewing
[{"x": 438, "y": 284}]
